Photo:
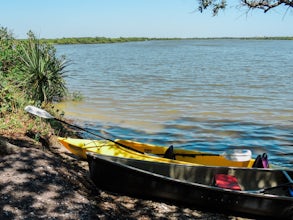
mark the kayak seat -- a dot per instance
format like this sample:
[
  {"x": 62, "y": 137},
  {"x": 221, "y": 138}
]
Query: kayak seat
[
  {"x": 226, "y": 182},
  {"x": 169, "y": 154},
  {"x": 261, "y": 161}
]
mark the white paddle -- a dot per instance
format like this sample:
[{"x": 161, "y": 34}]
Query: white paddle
[{"x": 44, "y": 114}]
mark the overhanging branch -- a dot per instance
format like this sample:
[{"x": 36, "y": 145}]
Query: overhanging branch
[{"x": 267, "y": 5}]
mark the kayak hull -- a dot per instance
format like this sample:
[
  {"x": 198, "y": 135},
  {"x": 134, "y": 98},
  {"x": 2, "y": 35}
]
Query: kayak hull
[
  {"x": 149, "y": 152},
  {"x": 193, "y": 185}
]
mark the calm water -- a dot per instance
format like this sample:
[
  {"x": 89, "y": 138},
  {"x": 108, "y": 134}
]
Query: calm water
[{"x": 208, "y": 95}]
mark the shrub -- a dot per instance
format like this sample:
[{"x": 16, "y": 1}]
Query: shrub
[{"x": 44, "y": 72}]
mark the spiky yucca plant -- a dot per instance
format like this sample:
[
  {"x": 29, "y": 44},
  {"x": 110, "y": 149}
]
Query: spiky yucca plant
[{"x": 44, "y": 72}]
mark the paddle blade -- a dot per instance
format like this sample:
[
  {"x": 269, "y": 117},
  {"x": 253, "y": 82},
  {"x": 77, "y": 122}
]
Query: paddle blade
[{"x": 38, "y": 112}]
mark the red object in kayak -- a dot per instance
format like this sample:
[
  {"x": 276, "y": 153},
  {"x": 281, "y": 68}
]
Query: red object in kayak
[{"x": 226, "y": 182}]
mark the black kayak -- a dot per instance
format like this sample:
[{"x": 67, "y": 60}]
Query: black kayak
[{"x": 252, "y": 191}]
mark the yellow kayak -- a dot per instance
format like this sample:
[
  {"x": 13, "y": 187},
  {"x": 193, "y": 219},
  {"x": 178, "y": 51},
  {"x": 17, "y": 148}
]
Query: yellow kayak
[{"x": 148, "y": 152}]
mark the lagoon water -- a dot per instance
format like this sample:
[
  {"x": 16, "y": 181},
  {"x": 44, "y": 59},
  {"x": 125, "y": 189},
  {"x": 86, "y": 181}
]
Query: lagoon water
[{"x": 209, "y": 95}]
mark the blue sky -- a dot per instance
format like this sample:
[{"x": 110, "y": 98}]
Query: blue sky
[{"x": 138, "y": 18}]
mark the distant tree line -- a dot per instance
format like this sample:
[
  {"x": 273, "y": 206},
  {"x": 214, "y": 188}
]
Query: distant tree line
[
  {"x": 99, "y": 40},
  {"x": 104, "y": 40}
]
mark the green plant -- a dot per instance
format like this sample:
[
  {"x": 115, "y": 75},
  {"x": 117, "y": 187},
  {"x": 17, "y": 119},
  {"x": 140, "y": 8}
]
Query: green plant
[
  {"x": 44, "y": 72},
  {"x": 76, "y": 96}
]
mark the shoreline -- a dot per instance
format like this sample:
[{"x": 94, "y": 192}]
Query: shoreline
[{"x": 50, "y": 183}]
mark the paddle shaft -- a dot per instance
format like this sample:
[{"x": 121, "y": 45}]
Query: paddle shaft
[
  {"x": 289, "y": 183},
  {"x": 100, "y": 136},
  {"x": 270, "y": 188}
]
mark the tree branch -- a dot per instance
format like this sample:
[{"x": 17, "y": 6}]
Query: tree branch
[{"x": 267, "y": 5}]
